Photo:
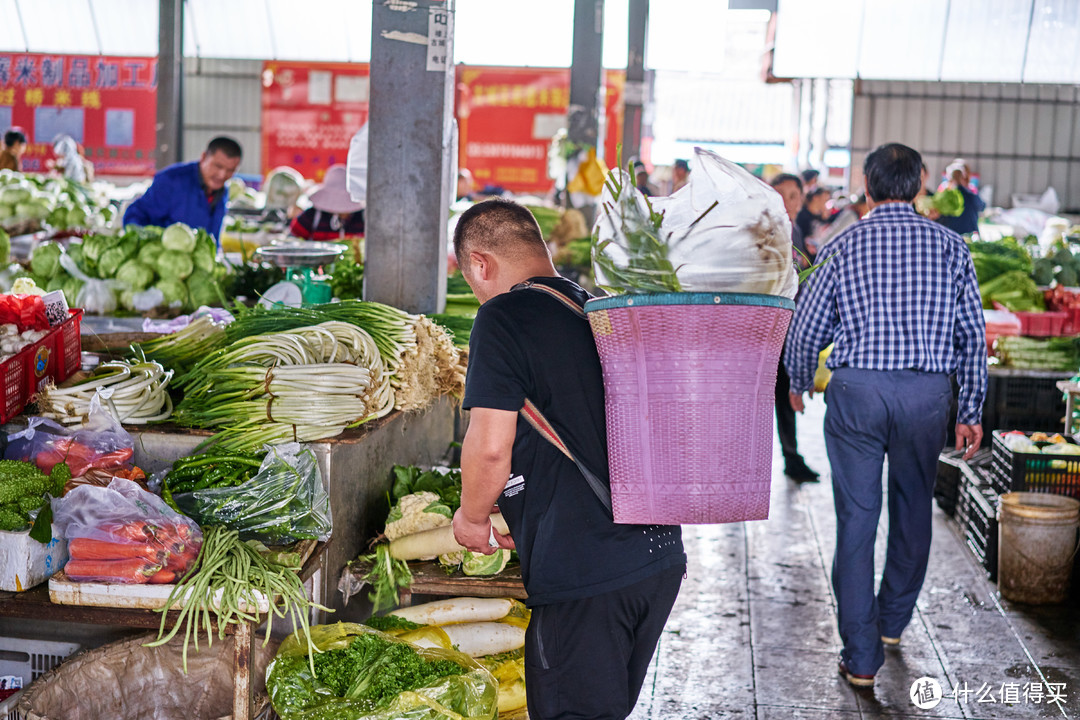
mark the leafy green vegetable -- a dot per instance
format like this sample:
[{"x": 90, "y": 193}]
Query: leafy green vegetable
[
  {"x": 361, "y": 673},
  {"x": 386, "y": 577},
  {"x": 1015, "y": 290},
  {"x": 410, "y": 479},
  {"x": 388, "y": 623},
  {"x": 5, "y": 248}
]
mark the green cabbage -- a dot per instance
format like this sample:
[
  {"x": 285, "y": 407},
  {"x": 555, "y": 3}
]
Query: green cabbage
[
  {"x": 58, "y": 218},
  {"x": 110, "y": 262},
  {"x": 94, "y": 245},
  {"x": 56, "y": 282},
  {"x": 174, "y": 264},
  {"x": 203, "y": 289},
  {"x": 6, "y": 212},
  {"x": 205, "y": 256},
  {"x": 173, "y": 290},
  {"x": 77, "y": 216},
  {"x": 150, "y": 252},
  {"x": 178, "y": 236},
  {"x": 72, "y": 287},
  {"x": 135, "y": 274},
  {"x": 46, "y": 260},
  {"x": 34, "y": 209},
  {"x": 15, "y": 195},
  {"x": 478, "y": 564},
  {"x": 127, "y": 299}
]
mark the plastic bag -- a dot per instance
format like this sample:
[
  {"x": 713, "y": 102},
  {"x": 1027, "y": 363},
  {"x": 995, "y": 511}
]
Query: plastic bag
[
  {"x": 725, "y": 231},
  {"x": 100, "y": 443},
  {"x": 295, "y": 693},
  {"x": 284, "y": 502},
  {"x": 356, "y": 164},
  {"x": 124, "y": 534},
  {"x": 96, "y": 296}
]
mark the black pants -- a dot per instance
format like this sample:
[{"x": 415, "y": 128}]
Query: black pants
[
  {"x": 785, "y": 418},
  {"x": 586, "y": 659}
]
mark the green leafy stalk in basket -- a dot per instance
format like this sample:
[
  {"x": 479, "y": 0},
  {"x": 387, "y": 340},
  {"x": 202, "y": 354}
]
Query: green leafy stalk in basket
[{"x": 648, "y": 269}]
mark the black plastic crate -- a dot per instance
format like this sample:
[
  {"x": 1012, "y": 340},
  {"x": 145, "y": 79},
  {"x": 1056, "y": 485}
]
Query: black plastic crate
[
  {"x": 977, "y": 514},
  {"x": 1017, "y": 399},
  {"x": 1028, "y": 472},
  {"x": 1024, "y": 395}
]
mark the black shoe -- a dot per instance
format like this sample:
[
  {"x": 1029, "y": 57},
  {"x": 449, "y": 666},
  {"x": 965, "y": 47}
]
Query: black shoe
[{"x": 801, "y": 473}]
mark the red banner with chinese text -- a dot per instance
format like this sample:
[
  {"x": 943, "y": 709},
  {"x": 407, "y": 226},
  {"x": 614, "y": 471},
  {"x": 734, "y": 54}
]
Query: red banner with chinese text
[
  {"x": 310, "y": 111},
  {"x": 107, "y": 104},
  {"x": 508, "y": 116}
]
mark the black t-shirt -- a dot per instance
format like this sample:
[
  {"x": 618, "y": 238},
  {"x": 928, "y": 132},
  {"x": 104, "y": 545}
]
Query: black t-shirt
[{"x": 527, "y": 344}]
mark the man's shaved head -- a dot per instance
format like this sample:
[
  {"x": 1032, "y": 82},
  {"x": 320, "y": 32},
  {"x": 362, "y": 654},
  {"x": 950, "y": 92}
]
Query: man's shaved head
[{"x": 498, "y": 227}]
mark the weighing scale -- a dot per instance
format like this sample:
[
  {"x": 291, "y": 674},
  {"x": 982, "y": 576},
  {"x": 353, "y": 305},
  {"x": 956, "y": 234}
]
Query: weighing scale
[{"x": 300, "y": 261}]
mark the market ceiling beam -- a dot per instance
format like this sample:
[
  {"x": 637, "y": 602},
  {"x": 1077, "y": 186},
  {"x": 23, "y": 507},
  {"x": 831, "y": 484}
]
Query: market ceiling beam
[
  {"x": 170, "y": 76},
  {"x": 410, "y": 153}
]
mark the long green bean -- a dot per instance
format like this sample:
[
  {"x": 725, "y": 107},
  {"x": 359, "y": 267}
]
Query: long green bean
[{"x": 227, "y": 579}]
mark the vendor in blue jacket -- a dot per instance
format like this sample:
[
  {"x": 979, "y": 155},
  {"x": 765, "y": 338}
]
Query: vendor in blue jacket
[{"x": 193, "y": 193}]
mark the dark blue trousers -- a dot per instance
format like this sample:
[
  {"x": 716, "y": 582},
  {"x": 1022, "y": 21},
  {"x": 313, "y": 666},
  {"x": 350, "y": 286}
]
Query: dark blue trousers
[{"x": 871, "y": 415}]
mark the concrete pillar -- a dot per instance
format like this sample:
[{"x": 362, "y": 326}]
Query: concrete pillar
[
  {"x": 586, "y": 73},
  {"x": 410, "y": 134},
  {"x": 635, "y": 92},
  {"x": 170, "y": 74}
]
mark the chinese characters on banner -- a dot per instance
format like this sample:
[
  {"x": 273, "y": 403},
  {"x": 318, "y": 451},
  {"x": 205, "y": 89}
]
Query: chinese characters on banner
[
  {"x": 107, "y": 104},
  {"x": 506, "y": 118},
  {"x": 310, "y": 111}
]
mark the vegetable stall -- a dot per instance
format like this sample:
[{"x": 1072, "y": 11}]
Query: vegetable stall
[
  {"x": 1031, "y": 299},
  {"x": 252, "y": 443}
]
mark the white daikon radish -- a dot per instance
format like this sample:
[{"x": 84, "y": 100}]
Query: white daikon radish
[
  {"x": 478, "y": 639},
  {"x": 475, "y": 639},
  {"x": 456, "y": 610},
  {"x": 432, "y": 543}
]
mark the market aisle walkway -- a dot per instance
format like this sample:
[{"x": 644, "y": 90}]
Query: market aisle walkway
[{"x": 753, "y": 634}]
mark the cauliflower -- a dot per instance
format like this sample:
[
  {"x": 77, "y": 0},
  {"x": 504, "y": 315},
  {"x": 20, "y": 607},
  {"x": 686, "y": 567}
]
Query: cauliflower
[{"x": 416, "y": 513}]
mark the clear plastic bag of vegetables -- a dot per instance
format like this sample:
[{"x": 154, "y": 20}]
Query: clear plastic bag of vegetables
[
  {"x": 283, "y": 503},
  {"x": 364, "y": 674},
  {"x": 725, "y": 231}
]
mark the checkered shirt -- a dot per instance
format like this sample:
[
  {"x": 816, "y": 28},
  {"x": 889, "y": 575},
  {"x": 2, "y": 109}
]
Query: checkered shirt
[{"x": 895, "y": 291}]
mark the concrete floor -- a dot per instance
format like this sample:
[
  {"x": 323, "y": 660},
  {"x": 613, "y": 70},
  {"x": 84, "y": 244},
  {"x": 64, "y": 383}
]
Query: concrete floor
[{"x": 753, "y": 634}]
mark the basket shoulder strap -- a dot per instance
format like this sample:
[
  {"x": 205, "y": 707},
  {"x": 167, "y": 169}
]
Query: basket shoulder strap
[
  {"x": 534, "y": 417},
  {"x": 562, "y": 297}
]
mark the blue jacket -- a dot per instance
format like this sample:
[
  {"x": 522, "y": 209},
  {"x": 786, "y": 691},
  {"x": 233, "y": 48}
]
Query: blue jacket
[{"x": 177, "y": 195}]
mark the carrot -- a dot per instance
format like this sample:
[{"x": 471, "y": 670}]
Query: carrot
[
  {"x": 91, "y": 549},
  {"x": 162, "y": 577},
  {"x": 137, "y": 531},
  {"x": 131, "y": 570},
  {"x": 182, "y": 561}
]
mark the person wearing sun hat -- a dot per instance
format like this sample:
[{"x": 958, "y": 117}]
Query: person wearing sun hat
[{"x": 333, "y": 213}]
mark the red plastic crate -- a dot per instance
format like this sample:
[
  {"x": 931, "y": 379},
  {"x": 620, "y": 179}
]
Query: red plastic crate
[
  {"x": 1044, "y": 324},
  {"x": 55, "y": 357},
  {"x": 1072, "y": 322}
]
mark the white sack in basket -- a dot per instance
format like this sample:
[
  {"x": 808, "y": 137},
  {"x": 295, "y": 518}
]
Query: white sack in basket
[{"x": 741, "y": 245}]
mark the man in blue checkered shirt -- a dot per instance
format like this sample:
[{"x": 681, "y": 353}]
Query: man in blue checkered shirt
[{"x": 897, "y": 295}]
